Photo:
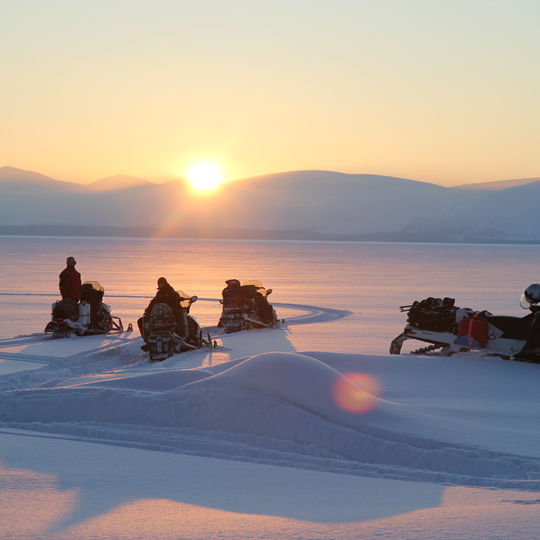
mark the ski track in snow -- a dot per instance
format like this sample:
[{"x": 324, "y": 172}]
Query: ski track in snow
[
  {"x": 313, "y": 313},
  {"x": 274, "y": 408}
]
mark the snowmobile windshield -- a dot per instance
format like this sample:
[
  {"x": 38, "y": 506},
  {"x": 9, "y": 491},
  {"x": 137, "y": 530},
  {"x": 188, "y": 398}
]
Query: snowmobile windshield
[
  {"x": 257, "y": 284},
  {"x": 526, "y": 304},
  {"x": 185, "y": 300},
  {"x": 95, "y": 285}
]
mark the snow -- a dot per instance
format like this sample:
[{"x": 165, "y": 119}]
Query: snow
[{"x": 260, "y": 438}]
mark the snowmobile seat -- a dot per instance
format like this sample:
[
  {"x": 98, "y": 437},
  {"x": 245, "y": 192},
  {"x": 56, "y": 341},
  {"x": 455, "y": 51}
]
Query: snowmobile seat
[
  {"x": 512, "y": 327},
  {"x": 248, "y": 292},
  {"x": 264, "y": 310}
]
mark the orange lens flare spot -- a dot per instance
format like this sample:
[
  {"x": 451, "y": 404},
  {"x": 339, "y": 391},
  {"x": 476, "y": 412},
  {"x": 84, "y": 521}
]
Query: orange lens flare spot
[{"x": 356, "y": 392}]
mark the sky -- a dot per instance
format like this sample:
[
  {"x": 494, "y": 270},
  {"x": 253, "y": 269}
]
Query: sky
[{"x": 439, "y": 91}]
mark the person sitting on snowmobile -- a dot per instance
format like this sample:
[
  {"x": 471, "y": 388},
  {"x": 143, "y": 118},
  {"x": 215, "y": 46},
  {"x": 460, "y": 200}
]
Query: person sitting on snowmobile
[
  {"x": 70, "y": 281},
  {"x": 167, "y": 295}
]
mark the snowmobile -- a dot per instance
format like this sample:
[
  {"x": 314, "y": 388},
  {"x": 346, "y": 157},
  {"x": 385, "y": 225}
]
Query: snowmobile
[
  {"x": 253, "y": 310},
  {"x": 449, "y": 329},
  {"x": 159, "y": 330},
  {"x": 90, "y": 316}
]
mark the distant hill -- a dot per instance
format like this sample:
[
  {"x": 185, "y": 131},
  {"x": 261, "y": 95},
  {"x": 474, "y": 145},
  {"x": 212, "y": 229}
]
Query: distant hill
[
  {"x": 498, "y": 184},
  {"x": 507, "y": 215},
  {"x": 21, "y": 178},
  {"x": 119, "y": 181},
  {"x": 318, "y": 205},
  {"x": 33, "y": 199},
  {"x": 12, "y": 174},
  {"x": 328, "y": 202}
]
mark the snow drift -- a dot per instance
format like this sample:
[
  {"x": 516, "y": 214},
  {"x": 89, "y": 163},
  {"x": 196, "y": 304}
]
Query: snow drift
[{"x": 273, "y": 407}]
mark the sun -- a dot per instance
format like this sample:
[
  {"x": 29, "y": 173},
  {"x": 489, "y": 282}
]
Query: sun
[{"x": 205, "y": 176}]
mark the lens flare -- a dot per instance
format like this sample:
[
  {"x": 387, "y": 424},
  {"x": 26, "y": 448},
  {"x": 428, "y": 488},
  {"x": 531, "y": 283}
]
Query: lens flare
[{"x": 356, "y": 392}]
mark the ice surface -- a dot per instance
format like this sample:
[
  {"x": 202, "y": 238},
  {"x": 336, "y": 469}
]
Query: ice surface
[{"x": 310, "y": 430}]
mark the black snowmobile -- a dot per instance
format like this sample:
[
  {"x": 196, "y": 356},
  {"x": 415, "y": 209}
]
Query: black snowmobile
[
  {"x": 253, "y": 310},
  {"x": 161, "y": 333},
  {"x": 449, "y": 329},
  {"x": 90, "y": 316}
]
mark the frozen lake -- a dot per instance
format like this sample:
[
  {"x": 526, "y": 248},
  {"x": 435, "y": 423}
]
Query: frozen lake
[
  {"x": 181, "y": 448},
  {"x": 369, "y": 280}
]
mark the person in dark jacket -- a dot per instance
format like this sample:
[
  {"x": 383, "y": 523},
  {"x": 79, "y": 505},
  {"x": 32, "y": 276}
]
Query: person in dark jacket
[
  {"x": 167, "y": 295},
  {"x": 70, "y": 281}
]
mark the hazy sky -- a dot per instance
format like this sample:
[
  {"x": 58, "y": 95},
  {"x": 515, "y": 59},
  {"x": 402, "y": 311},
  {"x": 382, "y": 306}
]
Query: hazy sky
[{"x": 446, "y": 91}]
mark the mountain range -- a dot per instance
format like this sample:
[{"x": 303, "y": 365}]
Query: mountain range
[{"x": 318, "y": 205}]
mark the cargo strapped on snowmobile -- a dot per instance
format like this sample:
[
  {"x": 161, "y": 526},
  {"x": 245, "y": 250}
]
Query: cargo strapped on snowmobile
[
  {"x": 436, "y": 314},
  {"x": 473, "y": 331}
]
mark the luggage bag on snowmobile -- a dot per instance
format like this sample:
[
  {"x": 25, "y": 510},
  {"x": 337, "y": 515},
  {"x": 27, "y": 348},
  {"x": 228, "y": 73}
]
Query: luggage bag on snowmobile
[{"x": 432, "y": 314}]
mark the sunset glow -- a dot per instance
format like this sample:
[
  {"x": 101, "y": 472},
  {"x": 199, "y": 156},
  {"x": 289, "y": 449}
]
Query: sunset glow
[
  {"x": 394, "y": 96},
  {"x": 205, "y": 176}
]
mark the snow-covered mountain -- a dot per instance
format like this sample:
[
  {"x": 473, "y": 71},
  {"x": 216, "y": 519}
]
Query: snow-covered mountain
[
  {"x": 497, "y": 184},
  {"x": 330, "y": 202},
  {"x": 119, "y": 181},
  {"x": 297, "y": 204},
  {"x": 509, "y": 214},
  {"x": 11, "y": 176},
  {"x": 27, "y": 199}
]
